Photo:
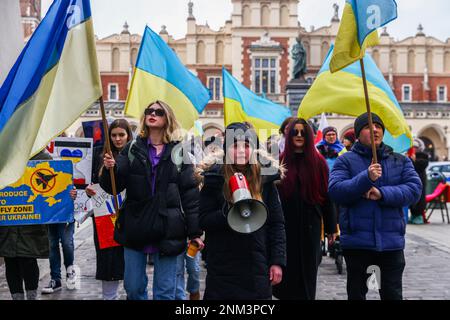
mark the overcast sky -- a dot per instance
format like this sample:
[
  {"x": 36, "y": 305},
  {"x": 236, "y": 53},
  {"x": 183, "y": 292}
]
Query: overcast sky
[{"x": 110, "y": 15}]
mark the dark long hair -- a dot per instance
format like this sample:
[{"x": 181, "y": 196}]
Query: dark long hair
[
  {"x": 118, "y": 123},
  {"x": 307, "y": 172}
]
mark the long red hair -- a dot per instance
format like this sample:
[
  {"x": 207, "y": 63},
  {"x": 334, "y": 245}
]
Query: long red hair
[{"x": 307, "y": 172}]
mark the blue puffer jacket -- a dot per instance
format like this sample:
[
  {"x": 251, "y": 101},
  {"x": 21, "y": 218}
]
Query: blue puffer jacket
[{"x": 367, "y": 224}]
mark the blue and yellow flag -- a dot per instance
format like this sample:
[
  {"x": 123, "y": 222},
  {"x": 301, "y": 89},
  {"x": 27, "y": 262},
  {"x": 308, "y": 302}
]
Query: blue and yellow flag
[
  {"x": 342, "y": 93},
  {"x": 357, "y": 31},
  {"x": 241, "y": 104},
  {"x": 54, "y": 80},
  {"x": 160, "y": 75}
]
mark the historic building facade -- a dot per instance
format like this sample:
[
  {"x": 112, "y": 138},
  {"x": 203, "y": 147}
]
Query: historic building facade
[{"x": 255, "y": 45}]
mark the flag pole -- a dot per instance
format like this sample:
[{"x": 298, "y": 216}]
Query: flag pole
[
  {"x": 108, "y": 150},
  {"x": 366, "y": 94}
]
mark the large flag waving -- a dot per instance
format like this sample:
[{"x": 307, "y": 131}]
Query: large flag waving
[
  {"x": 357, "y": 31},
  {"x": 341, "y": 93},
  {"x": 54, "y": 80},
  {"x": 241, "y": 104},
  {"x": 160, "y": 75},
  {"x": 322, "y": 125}
]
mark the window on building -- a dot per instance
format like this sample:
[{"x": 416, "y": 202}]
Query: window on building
[
  {"x": 113, "y": 92},
  {"x": 265, "y": 15},
  {"x": 265, "y": 75},
  {"x": 284, "y": 15},
  {"x": 246, "y": 16},
  {"x": 215, "y": 88},
  {"x": 442, "y": 94},
  {"x": 201, "y": 52},
  {"x": 115, "y": 59},
  {"x": 406, "y": 93}
]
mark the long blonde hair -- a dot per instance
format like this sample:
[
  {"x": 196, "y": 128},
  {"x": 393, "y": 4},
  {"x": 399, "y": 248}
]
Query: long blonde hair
[
  {"x": 172, "y": 129},
  {"x": 252, "y": 173}
]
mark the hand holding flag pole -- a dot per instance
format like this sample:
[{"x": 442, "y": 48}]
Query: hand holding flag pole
[{"x": 108, "y": 150}]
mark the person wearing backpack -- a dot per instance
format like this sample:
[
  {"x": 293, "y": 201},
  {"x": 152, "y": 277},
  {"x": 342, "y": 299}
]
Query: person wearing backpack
[{"x": 161, "y": 206}]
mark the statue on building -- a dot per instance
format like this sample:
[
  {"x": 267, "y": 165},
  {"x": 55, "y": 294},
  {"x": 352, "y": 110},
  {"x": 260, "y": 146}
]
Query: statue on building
[
  {"x": 336, "y": 13},
  {"x": 299, "y": 56}
]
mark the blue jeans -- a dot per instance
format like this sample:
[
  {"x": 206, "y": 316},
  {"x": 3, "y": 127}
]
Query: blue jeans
[
  {"x": 166, "y": 278},
  {"x": 60, "y": 232},
  {"x": 193, "y": 273}
]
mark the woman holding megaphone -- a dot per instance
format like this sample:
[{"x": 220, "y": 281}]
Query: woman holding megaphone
[
  {"x": 240, "y": 212},
  {"x": 305, "y": 201}
]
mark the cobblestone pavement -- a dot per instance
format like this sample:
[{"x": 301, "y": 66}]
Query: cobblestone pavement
[{"x": 425, "y": 277}]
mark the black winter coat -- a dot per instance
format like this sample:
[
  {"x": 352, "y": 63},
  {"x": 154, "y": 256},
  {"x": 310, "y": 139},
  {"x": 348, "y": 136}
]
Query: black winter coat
[
  {"x": 110, "y": 261},
  {"x": 420, "y": 165},
  {"x": 177, "y": 189},
  {"x": 238, "y": 264}
]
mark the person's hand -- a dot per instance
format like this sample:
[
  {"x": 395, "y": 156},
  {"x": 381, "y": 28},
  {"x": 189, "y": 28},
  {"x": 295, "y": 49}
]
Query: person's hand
[
  {"x": 73, "y": 193},
  {"x": 375, "y": 171},
  {"x": 200, "y": 243},
  {"x": 374, "y": 194},
  {"x": 108, "y": 161},
  {"x": 90, "y": 191},
  {"x": 276, "y": 274},
  {"x": 332, "y": 238}
]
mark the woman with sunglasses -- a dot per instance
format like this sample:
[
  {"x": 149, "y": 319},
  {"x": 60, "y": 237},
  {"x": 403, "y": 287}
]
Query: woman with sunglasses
[
  {"x": 156, "y": 187},
  {"x": 304, "y": 198}
]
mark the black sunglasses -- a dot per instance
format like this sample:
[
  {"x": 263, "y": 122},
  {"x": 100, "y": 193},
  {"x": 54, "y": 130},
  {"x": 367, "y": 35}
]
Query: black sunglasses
[
  {"x": 299, "y": 133},
  {"x": 157, "y": 112}
]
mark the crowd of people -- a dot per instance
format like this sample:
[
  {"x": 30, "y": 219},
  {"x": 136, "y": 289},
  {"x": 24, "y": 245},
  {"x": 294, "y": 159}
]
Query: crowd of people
[{"x": 308, "y": 190}]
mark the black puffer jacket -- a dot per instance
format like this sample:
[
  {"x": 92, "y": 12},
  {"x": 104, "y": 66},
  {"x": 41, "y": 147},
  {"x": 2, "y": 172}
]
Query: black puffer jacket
[
  {"x": 238, "y": 264},
  {"x": 181, "y": 196}
]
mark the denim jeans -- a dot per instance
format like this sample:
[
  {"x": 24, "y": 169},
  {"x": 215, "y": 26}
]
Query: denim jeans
[
  {"x": 60, "y": 232},
  {"x": 193, "y": 273},
  {"x": 166, "y": 276}
]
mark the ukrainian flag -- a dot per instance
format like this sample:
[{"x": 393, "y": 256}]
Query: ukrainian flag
[
  {"x": 160, "y": 75},
  {"x": 54, "y": 80},
  {"x": 357, "y": 31},
  {"x": 342, "y": 93},
  {"x": 241, "y": 105}
]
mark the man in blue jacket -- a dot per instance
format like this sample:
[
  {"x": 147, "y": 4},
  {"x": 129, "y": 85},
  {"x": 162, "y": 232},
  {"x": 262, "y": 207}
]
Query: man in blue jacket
[{"x": 370, "y": 198}]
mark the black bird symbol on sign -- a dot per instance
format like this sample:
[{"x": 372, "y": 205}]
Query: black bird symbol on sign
[{"x": 44, "y": 179}]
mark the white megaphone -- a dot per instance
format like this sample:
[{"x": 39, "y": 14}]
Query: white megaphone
[{"x": 247, "y": 215}]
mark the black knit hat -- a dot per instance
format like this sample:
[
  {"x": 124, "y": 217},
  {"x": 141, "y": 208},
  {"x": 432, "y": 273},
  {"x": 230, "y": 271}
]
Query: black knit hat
[
  {"x": 329, "y": 129},
  {"x": 242, "y": 132},
  {"x": 363, "y": 120}
]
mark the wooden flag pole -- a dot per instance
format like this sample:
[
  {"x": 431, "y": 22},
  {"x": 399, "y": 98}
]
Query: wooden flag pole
[
  {"x": 108, "y": 150},
  {"x": 366, "y": 93}
]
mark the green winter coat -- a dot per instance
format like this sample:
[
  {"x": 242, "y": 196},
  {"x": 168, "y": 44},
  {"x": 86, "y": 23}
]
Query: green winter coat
[{"x": 25, "y": 241}]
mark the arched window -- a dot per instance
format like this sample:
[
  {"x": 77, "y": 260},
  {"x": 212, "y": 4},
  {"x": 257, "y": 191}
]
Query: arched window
[
  {"x": 447, "y": 61},
  {"x": 134, "y": 53},
  {"x": 246, "y": 16},
  {"x": 393, "y": 60},
  {"x": 219, "y": 52},
  {"x": 376, "y": 57},
  {"x": 201, "y": 52},
  {"x": 411, "y": 61},
  {"x": 284, "y": 15},
  {"x": 115, "y": 59},
  {"x": 265, "y": 15},
  {"x": 324, "y": 50},
  {"x": 430, "y": 61}
]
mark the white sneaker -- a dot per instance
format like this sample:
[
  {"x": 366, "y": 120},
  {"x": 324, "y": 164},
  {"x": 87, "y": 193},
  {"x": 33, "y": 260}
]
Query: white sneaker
[{"x": 71, "y": 279}]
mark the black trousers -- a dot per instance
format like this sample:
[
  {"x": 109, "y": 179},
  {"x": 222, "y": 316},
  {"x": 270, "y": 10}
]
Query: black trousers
[
  {"x": 391, "y": 265},
  {"x": 20, "y": 270}
]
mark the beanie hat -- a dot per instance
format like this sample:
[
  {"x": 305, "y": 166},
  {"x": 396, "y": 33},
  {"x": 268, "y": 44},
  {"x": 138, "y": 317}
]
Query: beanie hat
[
  {"x": 350, "y": 135},
  {"x": 242, "y": 132},
  {"x": 363, "y": 120},
  {"x": 329, "y": 129}
]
